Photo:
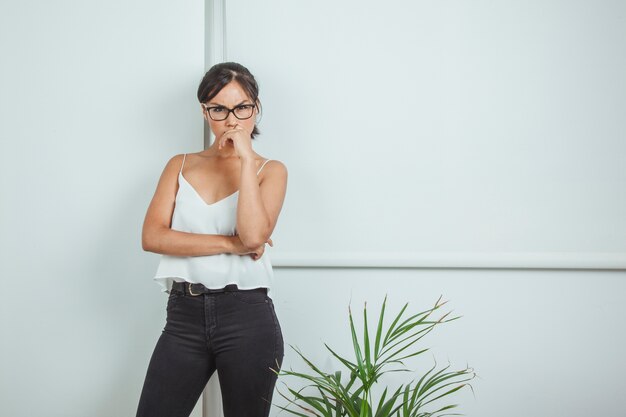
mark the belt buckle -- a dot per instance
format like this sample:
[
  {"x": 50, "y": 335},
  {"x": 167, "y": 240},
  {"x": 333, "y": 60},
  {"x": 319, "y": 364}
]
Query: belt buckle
[{"x": 191, "y": 292}]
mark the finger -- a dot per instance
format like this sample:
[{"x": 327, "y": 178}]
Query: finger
[
  {"x": 270, "y": 242},
  {"x": 232, "y": 130},
  {"x": 223, "y": 138}
]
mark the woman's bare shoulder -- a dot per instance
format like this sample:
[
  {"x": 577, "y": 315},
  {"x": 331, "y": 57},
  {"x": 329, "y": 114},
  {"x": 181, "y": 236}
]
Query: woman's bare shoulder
[
  {"x": 272, "y": 164},
  {"x": 273, "y": 168},
  {"x": 173, "y": 161}
]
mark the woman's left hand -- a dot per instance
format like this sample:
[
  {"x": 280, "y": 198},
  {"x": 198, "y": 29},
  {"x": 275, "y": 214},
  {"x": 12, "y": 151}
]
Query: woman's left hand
[{"x": 240, "y": 139}]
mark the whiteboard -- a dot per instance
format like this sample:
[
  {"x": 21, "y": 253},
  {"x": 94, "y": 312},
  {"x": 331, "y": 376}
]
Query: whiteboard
[{"x": 487, "y": 134}]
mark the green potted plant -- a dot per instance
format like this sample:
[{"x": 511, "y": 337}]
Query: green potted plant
[{"x": 331, "y": 396}]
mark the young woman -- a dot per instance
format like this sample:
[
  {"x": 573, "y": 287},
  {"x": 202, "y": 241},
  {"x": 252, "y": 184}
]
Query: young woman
[{"x": 210, "y": 218}]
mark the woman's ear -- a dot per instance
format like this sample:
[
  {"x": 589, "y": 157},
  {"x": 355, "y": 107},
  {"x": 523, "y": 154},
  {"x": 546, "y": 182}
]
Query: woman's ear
[
  {"x": 204, "y": 112},
  {"x": 259, "y": 114}
]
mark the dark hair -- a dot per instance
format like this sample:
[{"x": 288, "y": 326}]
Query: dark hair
[{"x": 223, "y": 73}]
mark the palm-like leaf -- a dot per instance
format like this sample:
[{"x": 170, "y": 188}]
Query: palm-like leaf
[{"x": 336, "y": 398}]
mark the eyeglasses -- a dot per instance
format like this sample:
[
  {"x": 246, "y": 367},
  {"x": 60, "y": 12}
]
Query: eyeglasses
[{"x": 241, "y": 112}]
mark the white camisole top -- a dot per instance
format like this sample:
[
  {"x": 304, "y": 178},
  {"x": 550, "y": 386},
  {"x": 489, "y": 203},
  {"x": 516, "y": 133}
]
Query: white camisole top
[{"x": 192, "y": 214}]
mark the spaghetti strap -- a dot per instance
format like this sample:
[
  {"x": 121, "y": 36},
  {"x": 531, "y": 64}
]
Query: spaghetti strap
[
  {"x": 263, "y": 166},
  {"x": 183, "y": 164}
]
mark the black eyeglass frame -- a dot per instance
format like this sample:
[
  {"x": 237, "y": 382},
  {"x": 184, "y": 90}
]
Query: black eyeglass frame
[{"x": 207, "y": 108}]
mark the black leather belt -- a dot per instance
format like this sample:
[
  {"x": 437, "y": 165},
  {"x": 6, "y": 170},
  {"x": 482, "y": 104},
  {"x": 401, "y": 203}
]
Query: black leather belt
[{"x": 189, "y": 288}]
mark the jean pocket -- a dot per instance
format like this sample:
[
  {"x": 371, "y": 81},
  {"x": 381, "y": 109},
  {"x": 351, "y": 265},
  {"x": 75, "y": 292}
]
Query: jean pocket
[{"x": 249, "y": 297}]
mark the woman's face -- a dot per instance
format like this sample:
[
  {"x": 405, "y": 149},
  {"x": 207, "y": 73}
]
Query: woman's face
[{"x": 229, "y": 97}]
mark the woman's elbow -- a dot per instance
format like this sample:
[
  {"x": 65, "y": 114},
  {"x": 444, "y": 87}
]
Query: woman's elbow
[
  {"x": 149, "y": 241},
  {"x": 146, "y": 244},
  {"x": 252, "y": 242},
  {"x": 255, "y": 239}
]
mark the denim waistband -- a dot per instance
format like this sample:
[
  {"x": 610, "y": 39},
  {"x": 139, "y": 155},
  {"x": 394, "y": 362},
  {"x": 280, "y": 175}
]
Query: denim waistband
[{"x": 189, "y": 288}]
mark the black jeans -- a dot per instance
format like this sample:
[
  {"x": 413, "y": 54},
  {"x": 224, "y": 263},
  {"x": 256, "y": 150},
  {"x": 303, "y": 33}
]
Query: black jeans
[{"x": 235, "y": 332}]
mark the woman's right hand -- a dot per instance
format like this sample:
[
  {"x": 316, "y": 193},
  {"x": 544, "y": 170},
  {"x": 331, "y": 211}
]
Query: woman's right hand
[{"x": 240, "y": 249}]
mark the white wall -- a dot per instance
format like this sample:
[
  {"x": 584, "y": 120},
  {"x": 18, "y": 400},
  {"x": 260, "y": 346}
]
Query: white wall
[
  {"x": 96, "y": 97},
  {"x": 544, "y": 343},
  {"x": 497, "y": 183},
  {"x": 440, "y": 133}
]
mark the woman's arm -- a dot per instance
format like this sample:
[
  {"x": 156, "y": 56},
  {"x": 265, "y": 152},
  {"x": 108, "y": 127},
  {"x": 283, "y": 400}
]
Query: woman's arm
[
  {"x": 157, "y": 235},
  {"x": 173, "y": 242},
  {"x": 259, "y": 204}
]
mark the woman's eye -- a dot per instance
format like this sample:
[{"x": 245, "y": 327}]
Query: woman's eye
[
  {"x": 245, "y": 107},
  {"x": 218, "y": 109}
]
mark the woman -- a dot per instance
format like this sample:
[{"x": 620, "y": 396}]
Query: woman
[{"x": 210, "y": 218}]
